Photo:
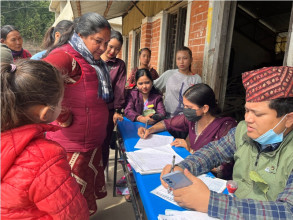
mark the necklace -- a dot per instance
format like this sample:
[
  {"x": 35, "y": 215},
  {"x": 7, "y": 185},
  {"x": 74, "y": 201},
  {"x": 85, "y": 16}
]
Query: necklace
[{"x": 196, "y": 131}]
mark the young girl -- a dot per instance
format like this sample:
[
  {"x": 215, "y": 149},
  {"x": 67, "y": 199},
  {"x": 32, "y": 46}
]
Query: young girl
[
  {"x": 144, "y": 61},
  {"x": 118, "y": 79},
  {"x": 177, "y": 81},
  {"x": 144, "y": 103},
  {"x": 36, "y": 181},
  {"x": 52, "y": 37}
]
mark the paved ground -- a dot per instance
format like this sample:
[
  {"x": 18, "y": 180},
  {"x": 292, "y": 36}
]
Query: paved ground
[{"x": 113, "y": 207}]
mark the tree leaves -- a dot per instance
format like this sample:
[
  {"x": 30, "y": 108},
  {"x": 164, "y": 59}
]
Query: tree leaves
[{"x": 31, "y": 18}]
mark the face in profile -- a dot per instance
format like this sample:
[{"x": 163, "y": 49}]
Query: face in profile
[
  {"x": 13, "y": 41},
  {"x": 144, "y": 84},
  {"x": 114, "y": 47},
  {"x": 145, "y": 57},
  {"x": 183, "y": 60},
  {"x": 97, "y": 43}
]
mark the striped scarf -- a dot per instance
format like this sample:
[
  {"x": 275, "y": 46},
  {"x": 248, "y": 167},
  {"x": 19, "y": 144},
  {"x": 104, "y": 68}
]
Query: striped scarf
[{"x": 105, "y": 89}]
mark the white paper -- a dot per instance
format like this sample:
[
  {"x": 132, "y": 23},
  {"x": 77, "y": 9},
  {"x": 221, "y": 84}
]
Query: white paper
[
  {"x": 151, "y": 160},
  {"x": 163, "y": 193},
  {"x": 153, "y": 141},
  {"x": 214, "y": 184},
  {"x": 184, "y": 215}
]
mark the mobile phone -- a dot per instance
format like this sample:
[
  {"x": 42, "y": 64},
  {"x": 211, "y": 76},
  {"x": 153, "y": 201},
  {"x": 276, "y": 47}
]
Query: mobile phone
[{"x": 176, "y": 180}]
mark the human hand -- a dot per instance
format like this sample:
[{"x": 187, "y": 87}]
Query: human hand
[
  {"x": 67, "y": 123},
  {"x": 149, "y": 119},
  {"x": 116, "y": 117},
  {"x": 166, "y": 170},
  {"x": 143, "y": 133},
  {"x": 185, "y": 196},
  {"x": 178, "y": 142}
]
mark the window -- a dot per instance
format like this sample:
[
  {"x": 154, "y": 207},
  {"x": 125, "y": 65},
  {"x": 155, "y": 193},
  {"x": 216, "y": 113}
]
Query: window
[{"x": 175, "y": 36}]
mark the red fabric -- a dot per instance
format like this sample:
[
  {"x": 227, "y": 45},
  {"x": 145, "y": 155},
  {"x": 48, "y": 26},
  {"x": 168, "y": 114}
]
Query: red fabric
[
  {"x": 89, "y": 173},
  {"x": 89, "y": 112},
  {"x": 268, "y": 83},
  {"x": 36, "y": 180}
]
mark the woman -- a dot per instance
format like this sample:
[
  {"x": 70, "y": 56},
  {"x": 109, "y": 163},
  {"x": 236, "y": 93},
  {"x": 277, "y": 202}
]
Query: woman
[
  {"x": 13, "y": 40},
  {"x": 200, "y": 119},
  {"x": 52, "y": 36},
  {"x": 144, "y": 103},
  {"x": 144, "y": 61},
  {"x": 85, "y": 112},
  {"x": 118, "y": 79},
  {"x": 176, "y": 81}
]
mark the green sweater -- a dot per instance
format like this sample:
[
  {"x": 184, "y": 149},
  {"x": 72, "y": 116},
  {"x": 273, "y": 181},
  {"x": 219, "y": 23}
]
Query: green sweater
[{"x": 261, "y": 175}]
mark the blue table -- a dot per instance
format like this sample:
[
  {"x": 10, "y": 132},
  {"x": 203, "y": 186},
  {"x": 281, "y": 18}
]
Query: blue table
[{"x": 153, "y": 204}]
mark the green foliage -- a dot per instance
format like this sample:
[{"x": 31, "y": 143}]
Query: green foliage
[{"x": 31, "y": 18}]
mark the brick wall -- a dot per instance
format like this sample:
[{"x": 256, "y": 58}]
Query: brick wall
[
  {"x": 155, "y": 36},
  {"x": 197, "y": 33}
]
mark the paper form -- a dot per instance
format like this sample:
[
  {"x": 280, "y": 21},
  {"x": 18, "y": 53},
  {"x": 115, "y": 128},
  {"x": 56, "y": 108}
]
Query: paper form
[
  {"x": 184, "y": 215},
  {"x": 151, "y": 160},
  {"x": 153, "y": 141},
  {"x": 214, "y": 184}
]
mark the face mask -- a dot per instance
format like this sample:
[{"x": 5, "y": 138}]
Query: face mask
[
  {"x": 270, "y": 137},
  {"x": 190, "y": 114}
]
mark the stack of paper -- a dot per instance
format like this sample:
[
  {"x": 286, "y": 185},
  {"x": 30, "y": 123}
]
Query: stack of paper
[
  {"x": 152, "y": 160},
  {"x": 183, "y": 215},
  {"x": 153, "y": 141}
]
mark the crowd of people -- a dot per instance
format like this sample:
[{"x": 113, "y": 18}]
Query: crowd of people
[{"x": 60, "y": 106}]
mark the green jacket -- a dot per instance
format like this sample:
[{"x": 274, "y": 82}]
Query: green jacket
[{"x": 261, "y": 175}]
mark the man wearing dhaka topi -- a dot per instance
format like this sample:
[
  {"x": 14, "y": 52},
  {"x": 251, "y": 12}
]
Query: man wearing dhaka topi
[{"x": 262, "y": 147}]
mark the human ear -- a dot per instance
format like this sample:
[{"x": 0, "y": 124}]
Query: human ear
[
  {"x": 206, "y": 108},
  {"x": 2, "y": 40},
  {"x": 44, "y": 113},
  {"x": 289, "y": 120}
]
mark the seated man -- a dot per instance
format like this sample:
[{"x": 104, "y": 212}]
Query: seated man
[{"x": 262, "y": 148}]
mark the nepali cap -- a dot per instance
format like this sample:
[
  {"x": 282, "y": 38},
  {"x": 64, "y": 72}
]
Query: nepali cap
[{"x": 268, "y": 83}]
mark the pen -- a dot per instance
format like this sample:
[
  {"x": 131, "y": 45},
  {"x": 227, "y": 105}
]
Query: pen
[
  {"x": 173, "y": 163},
  {"x": 146, "y": 126},
  {"x": 172, "y": 170}
]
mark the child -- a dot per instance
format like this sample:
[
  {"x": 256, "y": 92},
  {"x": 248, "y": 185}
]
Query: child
[
  {"x": 144, "y": 103},
  {"x": 36, "y": 181},
  {"x": 176, "y": 81},
  {"x": 144, "y": 61},
  {"x": 117, "y": 71}
]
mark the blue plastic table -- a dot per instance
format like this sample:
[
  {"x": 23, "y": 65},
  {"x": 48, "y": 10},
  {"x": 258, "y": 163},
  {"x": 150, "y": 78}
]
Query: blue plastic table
[{"x": 153, "y": 204}]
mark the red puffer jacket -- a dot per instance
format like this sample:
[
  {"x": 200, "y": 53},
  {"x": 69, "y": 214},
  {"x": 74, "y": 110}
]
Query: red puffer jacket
[{"x": 36, "y": 181}]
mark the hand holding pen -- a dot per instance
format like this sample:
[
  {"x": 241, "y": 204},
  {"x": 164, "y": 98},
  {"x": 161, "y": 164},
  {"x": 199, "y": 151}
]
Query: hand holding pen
[{"x": 172, "y": 170}]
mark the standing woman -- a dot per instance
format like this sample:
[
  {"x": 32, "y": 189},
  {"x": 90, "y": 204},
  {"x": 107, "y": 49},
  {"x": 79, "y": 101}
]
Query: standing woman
[
  {"x": 118, "y": 79},
  {"x": 13, "y": 40},
  {"x": 52, "y": 37},
  {"x": 177, "y": 81},
  {"x": 144, "y": 61},
  {"x": 85, "y": 112}
]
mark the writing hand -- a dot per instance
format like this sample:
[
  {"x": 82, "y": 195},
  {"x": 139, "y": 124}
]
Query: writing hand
[
  {"x": 185, "y": 196},
  {"x": 116, "y": 117}
]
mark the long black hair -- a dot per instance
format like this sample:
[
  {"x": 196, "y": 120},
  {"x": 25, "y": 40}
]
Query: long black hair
[{"x": 201, "y": 94}]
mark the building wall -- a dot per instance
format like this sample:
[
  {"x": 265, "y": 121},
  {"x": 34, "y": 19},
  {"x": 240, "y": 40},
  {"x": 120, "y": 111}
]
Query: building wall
[
  {"x": 197, "y": 33},
  {"x": 151, "y": 35},
  {"x": 129, "y": 54}
]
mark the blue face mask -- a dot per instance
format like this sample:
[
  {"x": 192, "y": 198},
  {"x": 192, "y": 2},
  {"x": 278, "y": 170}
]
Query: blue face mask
[{"x": 270, "y": 137}]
